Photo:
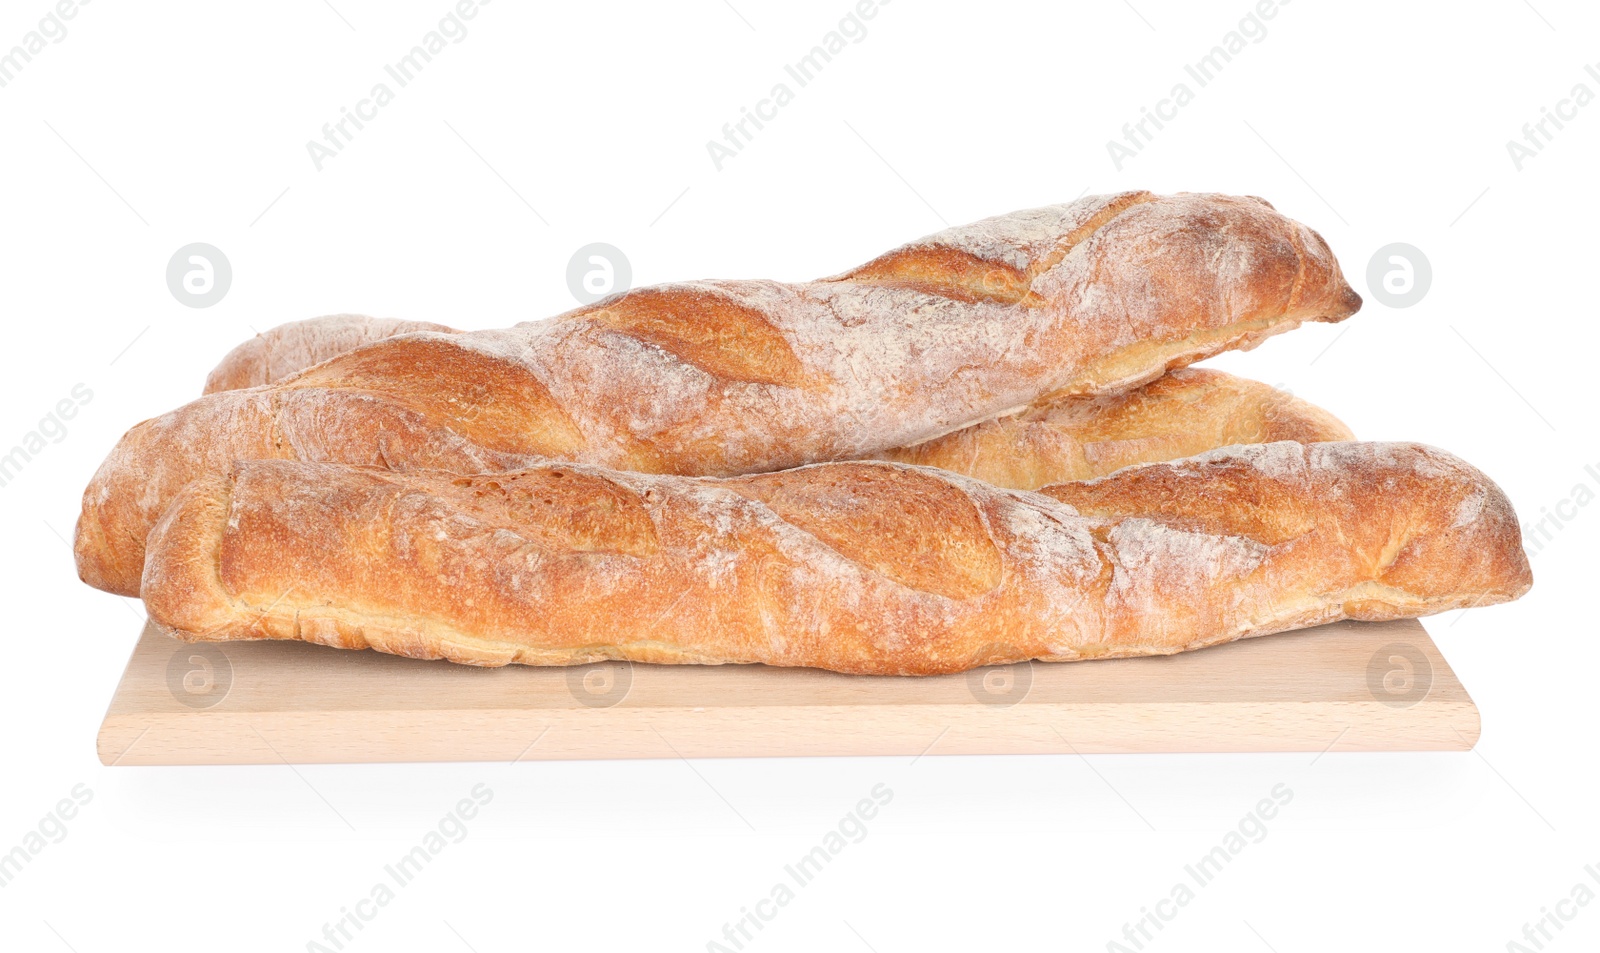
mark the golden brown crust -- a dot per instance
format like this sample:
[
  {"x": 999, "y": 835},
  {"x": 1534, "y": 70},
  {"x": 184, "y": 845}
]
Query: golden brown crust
[
  {"x": 704, "y": 329},
  {"x": 1179, "y": 414},
  {"x": 293, "y": 347},
  {"x": 512, "y": 414},
  {"x": 729, "y": 377},
  {"x": 797, "y": 568}
]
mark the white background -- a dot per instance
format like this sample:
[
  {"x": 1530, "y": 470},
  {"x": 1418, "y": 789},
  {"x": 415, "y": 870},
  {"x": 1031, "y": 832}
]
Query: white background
[{"x": 152, "y": 126}]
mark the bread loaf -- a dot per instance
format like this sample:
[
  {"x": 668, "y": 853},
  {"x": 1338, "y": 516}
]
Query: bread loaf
[
  {"x": 875, "y": 568},
  {"x": 1179, "y": 414},
  {"x": 728, "y": 377}
]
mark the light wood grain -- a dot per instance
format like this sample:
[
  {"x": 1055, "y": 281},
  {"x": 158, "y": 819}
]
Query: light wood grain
[{"x": 1306, "y": 691}]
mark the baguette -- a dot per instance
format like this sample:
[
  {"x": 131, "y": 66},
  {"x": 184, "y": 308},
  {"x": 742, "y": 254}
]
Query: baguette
[
  {"x": 868, "y": 567},
  {"x": 1179, "y": 414},
  {"x": 728, "y": 377}
]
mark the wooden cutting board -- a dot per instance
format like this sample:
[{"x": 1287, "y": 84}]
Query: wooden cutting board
[{"x": 1348, "y": 686}]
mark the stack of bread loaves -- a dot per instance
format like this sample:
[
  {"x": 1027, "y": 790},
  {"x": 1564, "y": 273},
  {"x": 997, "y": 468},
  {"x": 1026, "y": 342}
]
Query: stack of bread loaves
[{"x": 1031, "y": 472}]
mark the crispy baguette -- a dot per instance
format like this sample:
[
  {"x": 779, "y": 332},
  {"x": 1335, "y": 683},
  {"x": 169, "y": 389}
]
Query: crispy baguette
[
  {"x": 729, "y": 377},
  {"x": 1179, "y": 414},
  {"x": 874, "y": 568},
  {"x": 293, "y": 347}
]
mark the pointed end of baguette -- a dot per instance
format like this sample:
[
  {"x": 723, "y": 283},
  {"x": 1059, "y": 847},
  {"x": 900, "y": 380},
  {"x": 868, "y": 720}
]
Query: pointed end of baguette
[
  {"x": 1349, "y": 301},
  {"x": 1321, "y": 293}
]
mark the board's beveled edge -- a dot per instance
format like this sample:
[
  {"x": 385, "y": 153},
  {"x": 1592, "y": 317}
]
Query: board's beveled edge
[{"x": 117, "y": 704}]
